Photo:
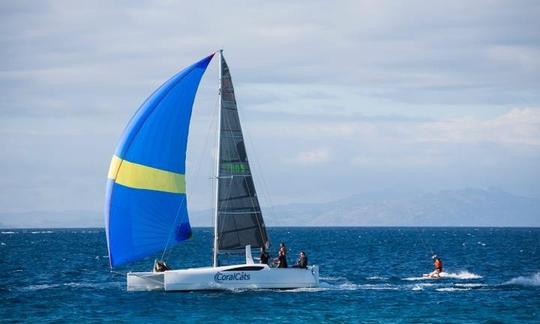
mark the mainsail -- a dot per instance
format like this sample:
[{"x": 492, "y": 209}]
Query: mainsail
[
  {"x": 146, "y": 207},
  {"x": 239, "y": 220}
]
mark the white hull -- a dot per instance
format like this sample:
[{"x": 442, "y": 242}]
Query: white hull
[{"x": 243, "y": 276}]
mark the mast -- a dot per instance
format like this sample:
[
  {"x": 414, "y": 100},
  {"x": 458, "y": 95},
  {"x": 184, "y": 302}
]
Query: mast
[{"x": 215, "y": 258}]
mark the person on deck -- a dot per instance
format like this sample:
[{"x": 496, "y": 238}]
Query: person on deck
[
  {"x": 283, "y": 248},
  {"x": 281, "y": 260},
  {"x": 264, "y": 257},
  {"x": 302, "y": 261},
  {"x": 160, "y": 266}
]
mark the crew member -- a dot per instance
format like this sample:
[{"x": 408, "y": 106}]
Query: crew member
[
  {"x": 281, "y": 260},
  {"x": 160, "y": 266},
  {"x": 302, "y": 261},
  {"x": 264, "y": 256},
  {"x": 283, "y": 248}
]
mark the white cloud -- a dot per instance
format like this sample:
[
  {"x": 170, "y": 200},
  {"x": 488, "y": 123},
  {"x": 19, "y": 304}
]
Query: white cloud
[
  {"x": 518, "y": 126},
  {"x": 316, "y": 156}
]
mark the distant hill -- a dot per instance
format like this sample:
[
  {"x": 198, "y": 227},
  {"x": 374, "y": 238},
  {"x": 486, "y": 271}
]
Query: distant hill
[{"x": 467, "y": 207}]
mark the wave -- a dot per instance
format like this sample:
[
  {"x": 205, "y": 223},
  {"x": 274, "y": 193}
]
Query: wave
[
  {"x": 377, "y": 278},
  {"x": 294, "y": 290},
  {"x": 42, "y": 232},
  {"x": 450, "y": 289},
  {"x": 40, "y": 287},
  {"x": 528, "y": 281},
  {"x": 8, "y": 232},
  {"x": 333, "y": 278},
  {"x": 97, "y": 285},
  {"x": 300, "y": 290},
  {"x": 379, "y": 287},
  {"x": 462, "y": 275},
  {"x": 101, "y": 285},
  {"x": 420, "y": 286},
  {"x": 470, "y": 285},
  {"x": 353, "y": 286}
]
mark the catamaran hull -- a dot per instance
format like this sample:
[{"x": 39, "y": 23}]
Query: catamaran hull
[{"x": 224, "y": 278}]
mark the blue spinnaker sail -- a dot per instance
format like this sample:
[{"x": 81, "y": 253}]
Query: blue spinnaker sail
[{"x": 146, "y": 206}]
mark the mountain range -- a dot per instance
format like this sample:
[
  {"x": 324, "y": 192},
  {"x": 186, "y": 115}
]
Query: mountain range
[{"x": 465, "y": 207}]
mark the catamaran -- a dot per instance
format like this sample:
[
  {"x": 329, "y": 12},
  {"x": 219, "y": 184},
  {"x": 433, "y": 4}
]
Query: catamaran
[{"x": 146, "y": 204}]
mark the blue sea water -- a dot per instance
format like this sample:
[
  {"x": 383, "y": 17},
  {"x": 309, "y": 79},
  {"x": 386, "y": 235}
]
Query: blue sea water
[{"x": 368, "y": 275}]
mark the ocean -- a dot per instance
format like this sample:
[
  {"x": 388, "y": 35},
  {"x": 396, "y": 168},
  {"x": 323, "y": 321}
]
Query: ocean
[{"x": 371, "y": 275}]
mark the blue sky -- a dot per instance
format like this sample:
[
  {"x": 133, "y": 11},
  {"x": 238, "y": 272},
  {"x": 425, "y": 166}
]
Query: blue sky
[{"x": 337, "y": 98}]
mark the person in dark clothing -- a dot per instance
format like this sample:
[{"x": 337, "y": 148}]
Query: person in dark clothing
[
  {"x": 160, "y": 266},
  {"x": 281, "y": 260},
  {"x": 264, "y": 256},
  {"x": 283, "y": 248},
  {"x": 302, "y": 261}
]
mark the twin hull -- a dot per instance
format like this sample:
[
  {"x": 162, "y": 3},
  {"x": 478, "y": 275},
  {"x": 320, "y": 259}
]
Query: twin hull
[{"x": 246, "y": 276}]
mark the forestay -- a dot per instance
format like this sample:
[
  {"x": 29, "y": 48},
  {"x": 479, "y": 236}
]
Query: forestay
[{"x": 239, "y": 219}]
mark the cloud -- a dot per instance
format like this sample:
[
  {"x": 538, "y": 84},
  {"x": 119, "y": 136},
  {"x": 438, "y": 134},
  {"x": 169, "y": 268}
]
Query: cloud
[
  {"x": 518, "y": 126},
  {"x": 316, "y": 156},
  {"x": 390, "y": 94}
]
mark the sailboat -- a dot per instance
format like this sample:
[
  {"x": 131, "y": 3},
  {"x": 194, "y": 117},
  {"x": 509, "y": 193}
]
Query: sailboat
[{"x": 146, "y": 204}]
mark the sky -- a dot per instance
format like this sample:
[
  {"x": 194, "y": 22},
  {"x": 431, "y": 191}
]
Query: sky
[{"x": 336, "y": 98}]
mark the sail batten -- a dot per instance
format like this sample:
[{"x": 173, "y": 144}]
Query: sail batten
[{"x": 239, "y": 219}]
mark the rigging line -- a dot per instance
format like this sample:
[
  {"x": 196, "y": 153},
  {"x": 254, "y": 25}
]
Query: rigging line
[
  {"x": 252, "y": 197},
  {"x": 264, "y": 235},
  {"x": 197, "y": 171},
  {"x": 196, "y": 174},
  {"x": 228, "y": 192},
  {"x": 118, "y": 273},
  {"x": 427, "y": 246},
  {"x": 214, "y": 123},
  {"x": 216, "y": 142},
  {"x": 263, "y": 178},
  {"x": 229, "y": 129},
  {"x": 173, "y": 226}
]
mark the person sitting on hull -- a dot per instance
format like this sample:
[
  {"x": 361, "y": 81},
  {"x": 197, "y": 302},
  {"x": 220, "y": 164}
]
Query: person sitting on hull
[
  {"x": 161, "y": 266},
  {"x": 302, "y": 262},
  {"x": 281, "y": 260},
  {"x": 264, "y": 257}
]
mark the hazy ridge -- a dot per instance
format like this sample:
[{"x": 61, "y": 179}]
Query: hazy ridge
[{"x": 466, "y": 207}]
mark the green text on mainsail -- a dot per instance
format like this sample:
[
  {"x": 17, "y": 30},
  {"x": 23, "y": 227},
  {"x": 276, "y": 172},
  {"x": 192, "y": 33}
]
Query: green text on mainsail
[{"x": 235, "y": 167}]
